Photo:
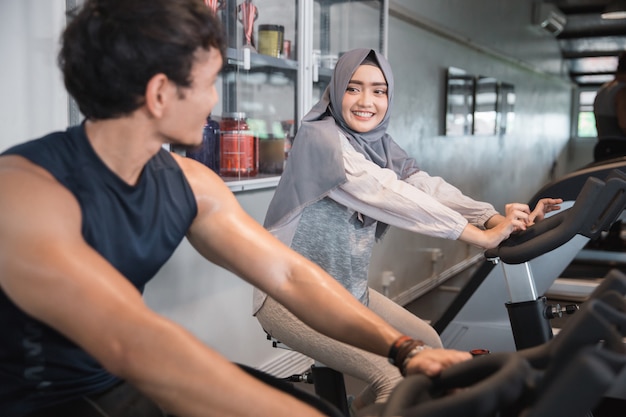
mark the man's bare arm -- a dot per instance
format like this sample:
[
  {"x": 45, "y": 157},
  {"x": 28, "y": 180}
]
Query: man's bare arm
[
  {"x": 225, "y": 234},
  {"x": 49, "y": 272}
]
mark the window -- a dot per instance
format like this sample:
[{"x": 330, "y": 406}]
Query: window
[{"x": 586, "y": 127}]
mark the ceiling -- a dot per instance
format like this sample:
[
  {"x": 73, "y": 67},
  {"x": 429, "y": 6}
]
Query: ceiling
[{"x": 590, "y": 44}]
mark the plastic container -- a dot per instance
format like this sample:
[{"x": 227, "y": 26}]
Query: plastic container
[
  {"x": 208, "y": 152},
  {"x": 239, "y": 147}
]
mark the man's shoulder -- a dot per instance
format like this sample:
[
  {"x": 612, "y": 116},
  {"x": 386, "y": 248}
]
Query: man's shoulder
[
  {"x": 621, "y": 89},
  {"x": 37, "y": 143}
]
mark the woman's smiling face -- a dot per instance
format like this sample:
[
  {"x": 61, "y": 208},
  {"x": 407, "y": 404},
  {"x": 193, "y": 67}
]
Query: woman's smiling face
[{"x": 365, "y": 101}]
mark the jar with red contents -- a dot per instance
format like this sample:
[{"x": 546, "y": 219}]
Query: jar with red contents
[{"x": 239, "y": 148}]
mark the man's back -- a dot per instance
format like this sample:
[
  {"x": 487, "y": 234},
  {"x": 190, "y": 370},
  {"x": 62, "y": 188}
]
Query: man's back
[{"x": 606, "y": 112}]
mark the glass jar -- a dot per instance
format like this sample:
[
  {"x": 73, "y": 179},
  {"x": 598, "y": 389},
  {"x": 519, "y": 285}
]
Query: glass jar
[
  {"x": 239, "y": 148},
  {"x": 271, "y": 40}
]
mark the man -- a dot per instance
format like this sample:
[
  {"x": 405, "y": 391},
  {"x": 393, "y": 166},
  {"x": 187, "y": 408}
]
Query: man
[
  {"x": 89, "y": 215},
  {"x": 609, "y": 105}
]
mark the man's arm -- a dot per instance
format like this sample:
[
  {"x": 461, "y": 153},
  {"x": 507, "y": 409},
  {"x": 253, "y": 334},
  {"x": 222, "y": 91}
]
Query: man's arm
[
  {"x": 620, "y": 109},
  {"x": 48, "y": 271},
  {"x": 226, "y": 235}
]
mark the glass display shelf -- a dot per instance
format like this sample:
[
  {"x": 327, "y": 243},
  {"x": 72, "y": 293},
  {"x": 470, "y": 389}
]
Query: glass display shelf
[
  {"x": 272, "y": 90},
  {"x": 236, "y": 59},
  {"x": 262, "y": 90},
  {"x": 259, "y": 182}
]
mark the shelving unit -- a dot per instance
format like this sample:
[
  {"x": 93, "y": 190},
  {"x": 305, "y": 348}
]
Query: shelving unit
[{"x": 276, "y": 92}]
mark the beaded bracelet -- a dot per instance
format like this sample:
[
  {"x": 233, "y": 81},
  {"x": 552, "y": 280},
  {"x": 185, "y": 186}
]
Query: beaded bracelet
[
  {"x": 402, "y": 350},
  {"x": 395, "y": 348}
]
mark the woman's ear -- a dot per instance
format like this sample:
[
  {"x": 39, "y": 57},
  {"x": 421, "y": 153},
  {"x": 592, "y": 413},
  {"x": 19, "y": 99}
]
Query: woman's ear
[{"x": 157, "y": 94}]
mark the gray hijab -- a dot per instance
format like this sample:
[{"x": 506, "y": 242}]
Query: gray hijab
[{"x": 315, "y": 165}]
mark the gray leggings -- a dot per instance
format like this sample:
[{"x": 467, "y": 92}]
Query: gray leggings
[{"x": 375, "y": 370}]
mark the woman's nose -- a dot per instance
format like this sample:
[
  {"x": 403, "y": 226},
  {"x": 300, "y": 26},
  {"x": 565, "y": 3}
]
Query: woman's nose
[{"x": 365, "y": 99}]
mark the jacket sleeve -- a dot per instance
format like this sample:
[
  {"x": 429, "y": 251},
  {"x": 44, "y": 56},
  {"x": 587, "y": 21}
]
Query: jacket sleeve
[
  {"x": 476, "y": 212},
  {"x": 378, "y": 193}
]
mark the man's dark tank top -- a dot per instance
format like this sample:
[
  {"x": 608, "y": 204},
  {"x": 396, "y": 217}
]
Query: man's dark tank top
[{"x": 136, "y": 228}]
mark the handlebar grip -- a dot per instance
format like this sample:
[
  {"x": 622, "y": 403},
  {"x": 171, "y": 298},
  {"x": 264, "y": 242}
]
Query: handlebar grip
[
  {"x": 553, "y": 231},
  {"x": 491, "y": 382}
]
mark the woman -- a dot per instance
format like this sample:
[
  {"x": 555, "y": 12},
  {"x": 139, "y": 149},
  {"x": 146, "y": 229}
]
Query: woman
[{"x": 345, "y": 181}]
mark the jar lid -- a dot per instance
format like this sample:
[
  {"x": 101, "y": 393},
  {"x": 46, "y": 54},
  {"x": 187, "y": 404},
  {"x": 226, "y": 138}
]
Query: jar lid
[
  {"x": 277, "y": 28},
  {"x": 234, "y": 115}
]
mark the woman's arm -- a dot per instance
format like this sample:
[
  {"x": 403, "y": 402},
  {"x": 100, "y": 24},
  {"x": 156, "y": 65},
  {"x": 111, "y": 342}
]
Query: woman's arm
[
  {"x": 476, "y": 212},
  {"x": 378, "y": 193}
]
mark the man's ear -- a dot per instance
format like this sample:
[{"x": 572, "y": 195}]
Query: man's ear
[{"x": 158, "y": 91}]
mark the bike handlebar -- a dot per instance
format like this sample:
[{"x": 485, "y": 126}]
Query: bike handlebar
[
  {"x": 597, "y": 206},
  {"x": 537, "y": 381}
]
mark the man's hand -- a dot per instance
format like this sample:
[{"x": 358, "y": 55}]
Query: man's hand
[{"x": 431, "y": 362}]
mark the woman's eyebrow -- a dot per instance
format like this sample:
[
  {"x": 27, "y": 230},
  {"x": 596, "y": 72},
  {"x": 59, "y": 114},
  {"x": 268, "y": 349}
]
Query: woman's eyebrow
[{"x": 363, "y": 83}]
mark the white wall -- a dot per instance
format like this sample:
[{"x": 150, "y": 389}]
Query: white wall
[
  {"x": 210, "y": 301},
  {"x": 33, "y": 98},
  {"x": 424, "y": 40},
  {"x": 501, "y": 26}
]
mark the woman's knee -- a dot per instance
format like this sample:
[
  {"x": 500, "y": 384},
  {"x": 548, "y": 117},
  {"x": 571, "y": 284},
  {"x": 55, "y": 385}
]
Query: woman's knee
[
  {"x": 404, "y": 320},
  {"x": 430, "y": 337}
]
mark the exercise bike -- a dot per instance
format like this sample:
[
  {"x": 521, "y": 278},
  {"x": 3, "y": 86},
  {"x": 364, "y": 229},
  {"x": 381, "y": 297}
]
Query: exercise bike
[
  {"x": 597, "y": 206},
  {"x": 522, "y": 268},
  {"x": 566, "y": 376},
  {"x": 599, "y": 255}
]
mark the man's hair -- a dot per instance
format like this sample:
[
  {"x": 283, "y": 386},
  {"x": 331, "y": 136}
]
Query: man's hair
[
  {"x": 112, "y": 48},
  {"x": 621, "y": 62}
]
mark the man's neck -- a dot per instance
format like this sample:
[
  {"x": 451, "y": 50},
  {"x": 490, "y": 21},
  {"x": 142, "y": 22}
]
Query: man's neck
[{"x": 124, "y": 144}]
